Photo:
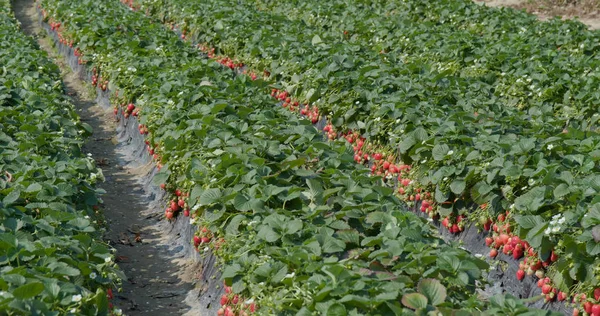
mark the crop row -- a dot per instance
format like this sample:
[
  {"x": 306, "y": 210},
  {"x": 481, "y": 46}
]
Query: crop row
[
  {"x": 52, "y": 259},
  {"x": 298, "y": 228},
  {"x": 488, "y": 106}
]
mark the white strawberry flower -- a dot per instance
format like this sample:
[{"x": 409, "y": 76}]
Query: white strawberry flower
[
  {"x": 93, "y": 275},
  {"x": 107, "y": 259},
  {"x": 450, "y": 152},
  {"x": 76, "y": 298},
  {"x": 550, "y": 146},
  {"x": 118, "y": 312}
]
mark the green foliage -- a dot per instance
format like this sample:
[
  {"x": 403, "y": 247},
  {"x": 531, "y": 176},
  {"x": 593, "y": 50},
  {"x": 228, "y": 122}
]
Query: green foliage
[{"x": 50, "y": 251}]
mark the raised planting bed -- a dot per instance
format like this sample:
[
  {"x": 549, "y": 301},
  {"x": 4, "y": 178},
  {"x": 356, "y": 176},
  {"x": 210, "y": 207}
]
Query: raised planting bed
[{"x": 493, "y": 111}]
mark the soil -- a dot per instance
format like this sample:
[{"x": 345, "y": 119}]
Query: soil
[
  {"x": 161, "y": 278},
  {"x": 586, "y": 11}
]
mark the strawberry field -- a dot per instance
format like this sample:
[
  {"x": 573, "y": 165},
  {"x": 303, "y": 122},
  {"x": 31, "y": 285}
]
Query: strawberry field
[{"x": 371, "y": 158}]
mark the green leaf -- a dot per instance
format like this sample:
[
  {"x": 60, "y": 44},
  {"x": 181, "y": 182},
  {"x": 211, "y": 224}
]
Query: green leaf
[
  {"x": 11, "y": 197},
  {"x": 414, "y": 301},
  {"x": 316, "y": 40},
  {"x": 232, "y": 228},
  {"x": 458, "y": 186},
  {"x": 268, "y": 234},
  {"x": 592, "y": 247},
  {"x": 440, "y": 152},
  {"x": 336, "y": 309},
  {"x": 161, "y": 177},
  {"x": 561, "y": 190},
  {"x": 165, "y": 88},
  {"x": 28, "y": 290},
  {"x": 333, "y": 245},
  {"x": 529, "y": 221},
  {"x": 210, "y": 196},
  {"x": 531, "y": 200},
  {"x": 34, "y": 187},
  {"x": 231, "y": 271},
  {"x": 433, "y": 290},
  {"x": 293, "y": 226}
]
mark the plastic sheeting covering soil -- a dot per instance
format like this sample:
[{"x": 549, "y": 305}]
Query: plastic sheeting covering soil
[{"x": 501, "y": 277}]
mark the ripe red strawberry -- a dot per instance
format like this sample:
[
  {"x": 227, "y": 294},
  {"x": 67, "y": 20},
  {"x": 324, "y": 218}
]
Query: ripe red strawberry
[
  {"x": 169, "y": 214},
  {"x": 546, "y": 288},
  {"x": 445, "y": 222},
  {"x": 517, "y": 253},
  {"x": 130, "y": 107},
  {"x": 597, "y": 294},
  {"x": 221, "y": 312},
  {"x": 575, "y": 312},
  {"x": 181, "y": 203},
  {"x": 487, "y": 225},
  {"x": 493, "y": 253},
  {"x": 454, "y": 229},
  {"x": 197, "y": 241},
  {"x": 235, "y": 300},
  {"x": 561, "y": 296},
  {"x": 204, "y": 240},
  {"x": 520, "y": 275},
  {"x": 162, "y": 186},
  {"x": 224, "y": 300},
  {"x": 503, "y": 239},
  {"x": 186, "y": 212},
  {"x": 596, "y": 310},
  {"x": 540, "y": 283},
  {"x": 501, "y": 218},
  {"x": 489, "y": 241},
  {"x": 378, "y": 156},
  {"x": 174, "y": 205},
  {"x": 587, "y": 307},
  {"x": 553, "y": 256}
]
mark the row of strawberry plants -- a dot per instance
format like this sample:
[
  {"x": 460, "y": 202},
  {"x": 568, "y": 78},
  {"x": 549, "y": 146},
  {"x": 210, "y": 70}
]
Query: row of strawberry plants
[
  {"x": 52, "y": 259},
  {"x": 499, "y": 169},
  {"x": 298, "y": 228}
]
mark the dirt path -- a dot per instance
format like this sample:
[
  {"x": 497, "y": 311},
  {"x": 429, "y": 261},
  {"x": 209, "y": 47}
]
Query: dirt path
[
  {"x": 587, "y": 16},
  {"x": 158, "y": 276}
]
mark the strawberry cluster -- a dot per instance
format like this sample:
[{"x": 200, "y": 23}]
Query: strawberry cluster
[
  {"x": 233, "y": 305},
  {"x": 177, "y": 204}
]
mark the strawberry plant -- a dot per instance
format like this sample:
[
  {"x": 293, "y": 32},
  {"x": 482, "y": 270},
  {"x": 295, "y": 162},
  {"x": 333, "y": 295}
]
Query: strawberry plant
[{"x": 52, "y": 258}]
